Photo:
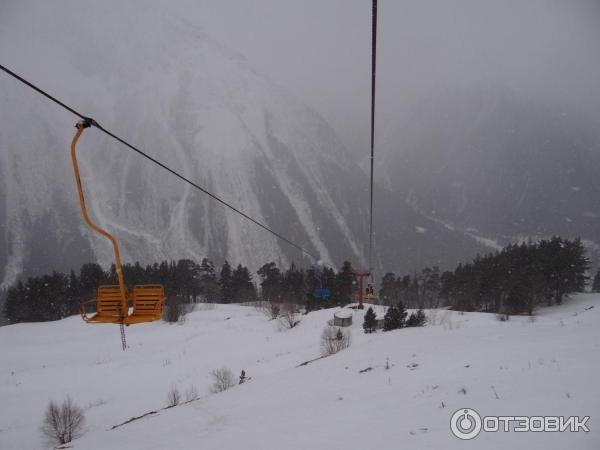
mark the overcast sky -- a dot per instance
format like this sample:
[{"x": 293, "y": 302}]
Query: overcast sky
[{"x": 320, "y": 51}]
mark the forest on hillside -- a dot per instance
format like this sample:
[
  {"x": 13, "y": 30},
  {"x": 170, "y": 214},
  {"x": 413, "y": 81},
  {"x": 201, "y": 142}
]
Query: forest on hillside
[{"x": 513, "y": 281}]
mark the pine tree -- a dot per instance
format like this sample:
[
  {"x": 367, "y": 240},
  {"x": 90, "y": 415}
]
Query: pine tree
[
  {"x": 209, "y": 287},
  {"x": 342, "y": 293},
  {"x": 395, "y": 317},
  {"x": 421, "y": 318},
  {"x": 418, "y": 319},
  {"x": 271, "y": 283},
  {"x": 74, "y": 293},
  {"x": 91, "y": 276},
  {"x": 370, "y": 323},
  {"x": 391, "y": 320},
  {"x": 293, "y": 285},
  {"x": 388, "y": 292},
  {"x": 15, "y": 303},
  {"x": 402, "y": 313},
  {"x": 312, "y": 282},
  {"x": 242, "y": 287},
  {"x": 186, "y": 279},
  {"x": 225, "y": 283},
  {"x": 596, "y": 283}
]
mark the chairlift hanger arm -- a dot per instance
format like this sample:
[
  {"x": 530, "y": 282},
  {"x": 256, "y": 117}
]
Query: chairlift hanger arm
[{"x": 81, "y": 126}]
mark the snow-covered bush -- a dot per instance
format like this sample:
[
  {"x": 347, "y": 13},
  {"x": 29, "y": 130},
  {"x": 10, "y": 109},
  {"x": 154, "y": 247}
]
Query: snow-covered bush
[
  {"x": 334, "y": 339},
  {"x": 63, "y": 423},
  {"x": 272, "y": 310},
  {"x": 173, "y": 397},
  {"x": 417, "y": 319},
  {"x": 370, "y": 322},
  {"x": 290, "y": 315},
  {"x": 222, "y": 380},
  {"x": 395, "y": 317},
  {"x": 174, "y": 310},
  {"x": 269, "y": 308},
  {"x": 191, "y": 393}
]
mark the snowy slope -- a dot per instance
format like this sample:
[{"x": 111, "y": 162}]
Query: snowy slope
[{"x": 549, "y": 366}]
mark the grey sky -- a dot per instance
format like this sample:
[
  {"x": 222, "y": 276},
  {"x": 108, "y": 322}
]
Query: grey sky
[{"x": 319, "y": 50}]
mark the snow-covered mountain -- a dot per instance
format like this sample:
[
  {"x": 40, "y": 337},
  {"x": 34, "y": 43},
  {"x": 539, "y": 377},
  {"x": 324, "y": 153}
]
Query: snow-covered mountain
[
  {"x": 147, "y": 73},
  {"x": 199, "y": 108}
]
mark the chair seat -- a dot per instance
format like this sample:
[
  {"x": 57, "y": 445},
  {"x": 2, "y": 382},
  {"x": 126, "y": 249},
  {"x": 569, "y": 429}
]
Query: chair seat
[{"x": 148, "y": 304}]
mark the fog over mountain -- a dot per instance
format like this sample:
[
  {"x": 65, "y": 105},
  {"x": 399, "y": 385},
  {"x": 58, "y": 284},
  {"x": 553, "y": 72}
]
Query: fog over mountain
[
  {"x": 203, "y": 110},
  {"x": 229, "y": 94},
  {"x": 520, "y": 168}
]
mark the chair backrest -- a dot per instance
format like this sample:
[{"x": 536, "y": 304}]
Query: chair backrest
[
  {"x": 148, "y": 300},
  {"x": 109, "y": 301}
]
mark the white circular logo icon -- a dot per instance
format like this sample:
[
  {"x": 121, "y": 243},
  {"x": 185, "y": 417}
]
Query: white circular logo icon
[{"x": 465, "y": 423}]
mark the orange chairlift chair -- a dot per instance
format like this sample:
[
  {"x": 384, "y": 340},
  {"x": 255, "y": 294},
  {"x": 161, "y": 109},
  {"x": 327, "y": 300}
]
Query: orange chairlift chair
[{"x": 112, "y": 304}]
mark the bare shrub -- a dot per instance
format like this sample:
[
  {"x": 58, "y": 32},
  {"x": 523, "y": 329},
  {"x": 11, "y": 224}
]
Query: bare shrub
[
  {"x": 188, "y": 308},
  {"x": 174, "y": 310},
  {"x": 191, "y": 394},
  {"x": 63, "y": 423},
  {"x": 206, "y": 306},
  {"x": 334, "y": 339},
  {"x": 173, "y": 397},
  {"x": 502, "y": 317},
  {"x": 290, "y": 316},
  {"x": 270, "y": 309},
  {"x": 222, "y": 380}
]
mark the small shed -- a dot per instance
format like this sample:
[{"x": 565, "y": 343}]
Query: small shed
[
  {"x": 342, "y": 318},
  {"x": 379, "y": 321}
]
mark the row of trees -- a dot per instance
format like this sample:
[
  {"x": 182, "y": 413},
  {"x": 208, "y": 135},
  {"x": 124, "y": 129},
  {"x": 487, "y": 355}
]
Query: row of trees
[
  {"x": 296, "y": 286},
  {"x": 518, "y": 278},
  {"x": 421, "y": 290},
  {"x": 395, "y": 317},
  {"x": 55, "y": 296},
  {"x": 512, "y": 281}
]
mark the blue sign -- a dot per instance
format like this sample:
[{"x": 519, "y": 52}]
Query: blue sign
[{"x": 322, "y": 293}]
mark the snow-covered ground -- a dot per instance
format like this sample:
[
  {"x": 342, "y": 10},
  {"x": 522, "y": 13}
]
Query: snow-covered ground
[{"x": 550, "y": 366}]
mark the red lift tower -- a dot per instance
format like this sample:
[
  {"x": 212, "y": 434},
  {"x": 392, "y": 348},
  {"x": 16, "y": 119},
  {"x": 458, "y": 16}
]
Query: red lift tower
[{"x": 364, "y": 293}]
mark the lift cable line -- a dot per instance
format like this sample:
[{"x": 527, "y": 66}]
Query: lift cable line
[
  {"x": 158, "y": 163},
  {"x": 373, "y": 67},
  {"x": 368, "y": 293}
]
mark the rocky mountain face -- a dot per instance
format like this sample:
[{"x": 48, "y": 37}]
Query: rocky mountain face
[
  {"x": 204, "y": 111},
  {"x": 468, "y": 171}
]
